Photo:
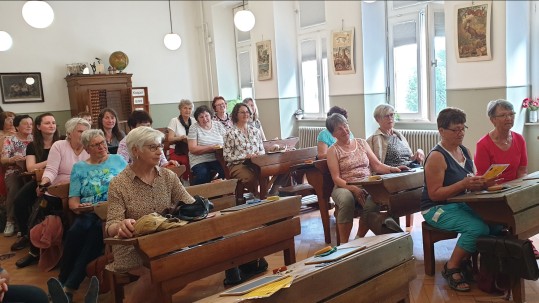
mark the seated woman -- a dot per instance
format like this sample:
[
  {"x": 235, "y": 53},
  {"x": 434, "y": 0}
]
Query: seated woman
[
  {"x": 390, "y": 146},
  {"x": 6, "y": 129},
  {"x": 140, "y": 118},
  {"x": 178, "y": 129},
  {"x": 129, "y": 192},
  {"x": 449, "y": 171},
  {"x": 219, "y": 107},
  {"x": 13, "y": 159},
  {"x": 107, "y": 121},
  {"x": 351, "y": 160},
  {"x": 62, "y": 156},
  {"x": 204, "y": 137},
  {"x": 45, "y": 134},
  {"x": 88, "y": 186},
  {"x": 254, "y": 117},
  {"x": 502, "y": 146},
  {"x": 242, "y": 142},
  {"x": 324, "y": 138}
]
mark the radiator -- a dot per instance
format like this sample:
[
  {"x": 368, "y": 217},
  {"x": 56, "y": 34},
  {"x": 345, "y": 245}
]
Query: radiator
[
  {"x": 307, "y": 136},
  {"x": 424, "y": 139}
]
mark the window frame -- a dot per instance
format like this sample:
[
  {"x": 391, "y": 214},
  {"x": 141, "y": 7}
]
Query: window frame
[{"x": 423, "y": 14}]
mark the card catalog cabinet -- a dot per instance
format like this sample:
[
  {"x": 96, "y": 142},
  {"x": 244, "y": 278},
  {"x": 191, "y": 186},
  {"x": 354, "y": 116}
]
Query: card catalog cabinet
[{"x": 92, "y": 93}]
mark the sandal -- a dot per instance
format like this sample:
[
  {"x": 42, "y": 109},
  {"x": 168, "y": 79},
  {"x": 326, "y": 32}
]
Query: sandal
[
  {"x": 467, "y": 270},
  {"x": 455, "y": 284}
]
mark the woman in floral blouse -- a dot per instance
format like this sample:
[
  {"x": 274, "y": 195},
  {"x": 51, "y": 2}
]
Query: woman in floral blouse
[
  {"x": 242, "y": 141},
  {"x": 13, "y": 160}
]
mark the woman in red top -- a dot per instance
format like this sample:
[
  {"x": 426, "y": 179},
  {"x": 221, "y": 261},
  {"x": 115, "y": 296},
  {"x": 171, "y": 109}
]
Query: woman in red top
[{"x": 502, "y": 146}]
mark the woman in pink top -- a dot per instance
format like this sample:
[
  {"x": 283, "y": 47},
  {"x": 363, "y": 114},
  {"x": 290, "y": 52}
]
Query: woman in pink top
[
  {"x": 62, "y": 156},
  {"x": 502, "y": 146},
  {"x": 351, "y": 160}
]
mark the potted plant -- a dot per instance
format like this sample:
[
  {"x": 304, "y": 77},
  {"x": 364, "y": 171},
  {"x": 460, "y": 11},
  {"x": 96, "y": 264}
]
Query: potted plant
[{"x": 532, "y": 105}]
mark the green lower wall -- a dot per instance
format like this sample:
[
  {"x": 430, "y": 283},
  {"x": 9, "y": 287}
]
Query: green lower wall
[{"x": 61, "y": 118}]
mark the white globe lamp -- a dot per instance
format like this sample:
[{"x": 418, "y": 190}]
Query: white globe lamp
[
  {"x": 38, "y": 14},
  {"x": 244, "y": 20},
  {"x": 172, "y": 41},
  {"x": 5, "y": 41}
]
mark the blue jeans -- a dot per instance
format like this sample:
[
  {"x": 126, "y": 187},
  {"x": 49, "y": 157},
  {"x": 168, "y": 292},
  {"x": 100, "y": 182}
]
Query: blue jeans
[
  {"x": 202, "y": 172},
  {"x": 25, "y": 294},
  {"x": 83, "y": 243},
  {"x": 460, "y": 218}
]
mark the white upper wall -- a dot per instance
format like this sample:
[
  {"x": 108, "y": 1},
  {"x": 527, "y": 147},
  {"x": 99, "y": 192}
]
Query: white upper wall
[
  {"x": 481, "y": 74},
  {"x": 83, "y": 30}
]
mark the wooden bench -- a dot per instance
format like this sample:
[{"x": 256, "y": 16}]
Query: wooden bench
[
  {"x": 379, "y": 273},
  {"x": 229, "y": 239}
]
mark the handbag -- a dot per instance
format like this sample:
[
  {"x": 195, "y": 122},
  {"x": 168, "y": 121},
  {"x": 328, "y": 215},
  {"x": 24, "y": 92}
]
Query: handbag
[
  {"x": 510, "y": 256},
  {"x": 195, "y": 211}
]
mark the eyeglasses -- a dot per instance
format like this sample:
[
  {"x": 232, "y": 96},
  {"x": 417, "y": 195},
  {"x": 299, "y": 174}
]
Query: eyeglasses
[
  {"x": 389, "y": 116},
  {"x": 220, "y": 105},
  {"x": 510, "y": 115},
  {"x": 154, "y": 147},
  {"x": 97, "y": 145},
  {"x": 458, "y": 130},
  {"x": 244, "y": 112}
]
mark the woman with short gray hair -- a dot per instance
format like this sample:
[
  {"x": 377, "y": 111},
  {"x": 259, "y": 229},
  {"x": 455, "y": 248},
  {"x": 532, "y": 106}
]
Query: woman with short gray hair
[
  {"x": 142, "y": 188},
  {"x": 178, "y": 129},
  {"x": 89, "y": 135},
  {"x": 388, "y": 144},
  {"x": 350, "y": 160}
]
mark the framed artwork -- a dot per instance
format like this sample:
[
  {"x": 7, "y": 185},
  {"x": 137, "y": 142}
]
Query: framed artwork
[
  {"x": 21, "y": 87},
  {"x": 343, "y": 52},
  {"x": 473, "y": 32},
  {"x": 263, "y": 60}
]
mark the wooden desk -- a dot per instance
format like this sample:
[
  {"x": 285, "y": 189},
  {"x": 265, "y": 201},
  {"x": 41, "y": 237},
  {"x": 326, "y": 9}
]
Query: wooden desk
[
  {"x": 517, "y": 208},
  {"x": 380, "y": 273},
  {"x": 175, "y": 257},
  {"x": 400, "y": 193},
  {"x": 288, "y": 142},
  {"x": 275, "y": 164}
]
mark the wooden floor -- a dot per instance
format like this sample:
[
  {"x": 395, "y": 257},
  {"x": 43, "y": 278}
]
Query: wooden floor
[{"x": 423, "y": 289}]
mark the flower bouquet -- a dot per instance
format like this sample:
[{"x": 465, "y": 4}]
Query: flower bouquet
[{"x": 533, "y": 105}]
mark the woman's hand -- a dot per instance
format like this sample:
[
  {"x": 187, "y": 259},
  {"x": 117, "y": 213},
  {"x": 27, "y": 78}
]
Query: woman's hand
[
  {"x": 474, "y": 183},
  {"x": 3, "y": 288},
  {"x": 358, "y": 193},
  {"x": 172, "y": 163},
  {"x": 126, "y": 228},
  {"x": 419, "y": 156}
]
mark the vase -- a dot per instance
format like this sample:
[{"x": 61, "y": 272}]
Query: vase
[{"x": 533, "y": 116}]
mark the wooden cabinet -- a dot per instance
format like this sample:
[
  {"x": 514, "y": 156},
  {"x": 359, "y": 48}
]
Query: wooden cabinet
[{"x": 92, "y": 93}]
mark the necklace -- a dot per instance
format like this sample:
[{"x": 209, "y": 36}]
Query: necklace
[{"x": 507, "y": 140}]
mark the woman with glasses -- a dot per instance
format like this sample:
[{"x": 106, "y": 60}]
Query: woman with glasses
[
  {"x": 219, "y": 107},
  {"x": 324, "y": 138},
  {"x": 255, "y": 121},
  {"x": 178, "y": 129},
  {"x": 389, "y": 145},
  {"x": 502, "y": 146},
  {"x": 141, "y": 188},
  {"x": 89, "y": 185},
  {"x": 242, "y": 142},
  {"x": 351, "y": 160},
  {"x": 450, "y": 171}
]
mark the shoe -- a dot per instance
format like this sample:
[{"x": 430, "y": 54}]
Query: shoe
[
  {"x": 93, "y": 291},
  {"x": 27, "y": 261},
  {"x": 391, "y": 224},
  {"x": 9, "y": 230},
  {"x": 254, "y": 267},
  {"x": 535, "y": 252},
  {"x": 21, "y": 243},
  {"x": 56, "y": 291},
  {"x": 232, "y": 276},
  {"x": 455, "y": 284}
]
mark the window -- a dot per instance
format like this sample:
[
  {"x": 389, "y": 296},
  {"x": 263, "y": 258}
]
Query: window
[
  {"x": 312, "y": 37},
  {"x": 416, "y": 40}
]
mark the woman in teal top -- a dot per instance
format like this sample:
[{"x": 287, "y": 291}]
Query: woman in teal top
[
  {"x": 89, "y": 185},
  {"x": 325, "y": 139}
]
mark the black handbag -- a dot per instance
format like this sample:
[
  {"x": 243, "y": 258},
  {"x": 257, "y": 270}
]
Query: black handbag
[
  {"x": 508, "y": 256},
  {"x": 195, "y": 211}
]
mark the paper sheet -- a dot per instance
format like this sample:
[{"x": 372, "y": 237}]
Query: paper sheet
[
  {"x": 494, "y": 171},
  {"x": 268, "y": 290}
]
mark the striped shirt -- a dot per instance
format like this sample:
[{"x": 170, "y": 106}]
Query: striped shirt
[{"x": 205, "y": 137}]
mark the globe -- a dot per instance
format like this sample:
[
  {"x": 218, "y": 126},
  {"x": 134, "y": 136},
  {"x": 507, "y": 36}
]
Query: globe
[{"x": 119, "y": 60}]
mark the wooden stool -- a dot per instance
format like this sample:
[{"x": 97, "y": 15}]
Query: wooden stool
[
  {"x": 117, "y": 282},
  {"x": 432, "y": 235}
]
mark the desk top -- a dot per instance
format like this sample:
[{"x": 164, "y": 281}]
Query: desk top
[
  {"x": 288, "y": 143},
  {"x": 288, "y": 156},
  {"x": 394, "y": 182}
]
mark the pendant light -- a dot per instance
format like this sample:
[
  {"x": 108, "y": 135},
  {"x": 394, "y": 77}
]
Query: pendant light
[
  {"x": 172, "y": 41},
  {"x": 244, "y": 20},
  {"x": 5, "y": 41},
  {"x": 38, "y": 14}
]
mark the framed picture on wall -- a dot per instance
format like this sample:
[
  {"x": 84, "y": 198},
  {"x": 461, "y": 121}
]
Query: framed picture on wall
[
  {"x": 343, "y": 52},
  {"x": 21, "y": 87},
  {"x": 473, "y": 32},
  {"x": 263, "y": 60}
]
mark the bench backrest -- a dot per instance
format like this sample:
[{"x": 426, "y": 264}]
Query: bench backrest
[{"x": 222, "y": 193}]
